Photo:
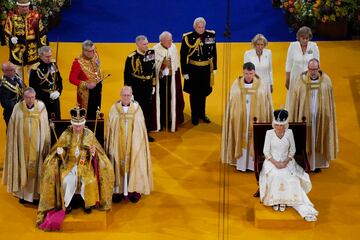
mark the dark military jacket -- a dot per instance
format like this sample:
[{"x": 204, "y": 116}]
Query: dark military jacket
[
  {"x": 45, "y": 78},
  {"x": 139, "y": 67},
  {"x": 11, "y": 92},
  {"x": 198, "y": 48}
]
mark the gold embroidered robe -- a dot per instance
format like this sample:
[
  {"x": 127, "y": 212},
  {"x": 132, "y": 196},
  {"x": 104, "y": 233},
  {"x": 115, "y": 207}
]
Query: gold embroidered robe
[
  {"x": 54, "y": 170},
  {"x": 234, "y": 123},
  {"x": 326, "y": 130},
  {"x": 137, "y": 153},
  {"x": 28, "y": 142}
]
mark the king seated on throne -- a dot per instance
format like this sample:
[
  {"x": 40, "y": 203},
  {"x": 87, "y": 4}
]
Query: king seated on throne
[{"x": 77, "y": 164}]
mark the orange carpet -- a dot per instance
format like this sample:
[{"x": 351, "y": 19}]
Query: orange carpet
[{"x": 187, "y": 201}]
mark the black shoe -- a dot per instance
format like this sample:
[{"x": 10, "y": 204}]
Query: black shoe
[
  {"x": 317, "y": 170},
  {"x": 35, "y": 202},
  {"x": 206, "y": 119},
  {"x": 151, "y": 139},
  {"x": 195, "y": 121},
  {"x": 87, "y": 210},
  {"x": 116, "y": 198},
  {"x": 68, "y": 210},
  {"x": 77, "y": 201},
  {"x": 22, "y": 201},
  {"x": 134, "y": 197}
]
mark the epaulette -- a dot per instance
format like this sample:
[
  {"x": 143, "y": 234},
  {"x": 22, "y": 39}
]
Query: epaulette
[
  {"x": 53, "y": 60},
  {"x": 185, "y": 34},
  {"x": 210, "y": 31},
  {"x": 131, "y": 54},
  {"x": 35, "y": 66},
  {"x": 151, "y": 50}
]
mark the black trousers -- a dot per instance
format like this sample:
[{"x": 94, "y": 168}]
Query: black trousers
[
  {"x": 162, "y": 92},
  {"x": 142, "y": 94},
  {"x": 94, "y": 101},
  {"x": 197, "y": 105}
]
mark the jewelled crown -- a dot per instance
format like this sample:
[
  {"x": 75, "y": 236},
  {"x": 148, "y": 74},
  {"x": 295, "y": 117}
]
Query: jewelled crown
[
  {"x": 78, "y": 116},
  {"x": 281, "y": 117}
]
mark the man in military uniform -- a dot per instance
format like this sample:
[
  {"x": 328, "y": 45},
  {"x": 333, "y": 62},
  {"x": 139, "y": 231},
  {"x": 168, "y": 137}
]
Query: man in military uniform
[
  {"x": 24, "y": 34},
  {"x": 198, "y": 66},
  {"x": 11, "y": 89},
  {"x": 46, "y": 80},
  {"x": 139, "y": 73},
  {"x": 86, "y": 75}
]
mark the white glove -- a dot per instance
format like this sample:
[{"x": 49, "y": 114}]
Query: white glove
[
  {"x": 153, "y": 91},
  {"x": 186, "y": 76},
  {"x": 214, "y": 72},
  {"x": 14, "y": 40},
  {"x": 165, "y": 72},
  {"x": 54, "y": 95},
  {"x": 59, "y": 150}
]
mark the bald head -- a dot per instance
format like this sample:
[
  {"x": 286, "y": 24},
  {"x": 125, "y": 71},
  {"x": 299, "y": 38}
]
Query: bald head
[
  {"x": 314, "y": 68},
  {"x": 8, "y": 69}
]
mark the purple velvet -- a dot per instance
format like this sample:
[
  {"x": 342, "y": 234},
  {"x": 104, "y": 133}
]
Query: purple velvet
[{"x": 53, "y": 220}]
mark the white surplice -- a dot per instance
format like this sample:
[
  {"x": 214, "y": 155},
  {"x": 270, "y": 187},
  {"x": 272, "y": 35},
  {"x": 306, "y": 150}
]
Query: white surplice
[{"x": 246, "y": 161}]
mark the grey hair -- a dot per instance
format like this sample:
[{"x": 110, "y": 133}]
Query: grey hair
[
  {"x": 164, "y": 34},
  {"x": 286, "y": 125},
  {"x": 30, "y": 90},
  {"x": 44, "y": 49},
  {"x": 198, "y": 20},
  {"x": 304, "y": 31},
  {"x": 314, "y": 60},
  {"x": 257, "y": 38},
  {"x": 87, "y": 44},
  {"x": 140, "y": 38}
]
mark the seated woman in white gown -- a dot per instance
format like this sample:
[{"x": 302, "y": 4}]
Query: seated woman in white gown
[{"x": 282, "y": 181}]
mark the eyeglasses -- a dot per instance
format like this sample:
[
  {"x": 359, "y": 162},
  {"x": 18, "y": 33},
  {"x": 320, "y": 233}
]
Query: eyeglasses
[{"x": 313, "y": 69}]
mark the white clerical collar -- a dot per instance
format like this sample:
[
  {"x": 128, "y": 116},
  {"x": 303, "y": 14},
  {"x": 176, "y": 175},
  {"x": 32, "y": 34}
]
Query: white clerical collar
[
  {"x": 125, "y": 108},
  {"x": 315, "y": 81},
  {"x": 248, "y": 85}
]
